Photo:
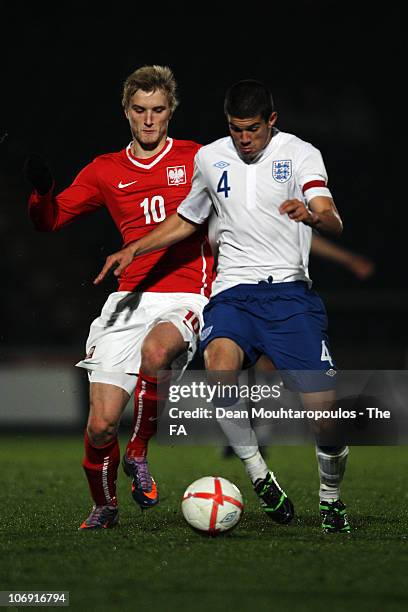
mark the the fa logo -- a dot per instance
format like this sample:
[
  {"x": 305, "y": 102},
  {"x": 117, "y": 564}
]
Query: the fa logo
[
  {"x": 282, "y": 170},
  {"x": 176, "y": 175}
]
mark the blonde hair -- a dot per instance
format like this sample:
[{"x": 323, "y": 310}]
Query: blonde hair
[{"x": 151, "y": 78}]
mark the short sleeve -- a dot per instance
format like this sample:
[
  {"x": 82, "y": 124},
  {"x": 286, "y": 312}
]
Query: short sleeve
[
  {"x": 311, "y": 173},
  {"x": 197, "y": 206}
]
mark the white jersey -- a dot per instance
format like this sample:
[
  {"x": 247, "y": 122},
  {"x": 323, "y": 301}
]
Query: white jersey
[{"x": 255, "y": 242}]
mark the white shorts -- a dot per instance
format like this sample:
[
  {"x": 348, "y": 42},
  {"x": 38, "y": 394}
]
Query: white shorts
[{"x": 116, "y": 336}]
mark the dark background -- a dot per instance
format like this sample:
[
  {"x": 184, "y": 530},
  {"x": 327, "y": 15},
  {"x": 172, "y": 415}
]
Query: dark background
[{"x": 337, "y": 77}]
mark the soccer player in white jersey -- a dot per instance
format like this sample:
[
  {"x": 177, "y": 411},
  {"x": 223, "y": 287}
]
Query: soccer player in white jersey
[
  {"x": 155, "y": 315},
  {"x": 268, "y": 189}
]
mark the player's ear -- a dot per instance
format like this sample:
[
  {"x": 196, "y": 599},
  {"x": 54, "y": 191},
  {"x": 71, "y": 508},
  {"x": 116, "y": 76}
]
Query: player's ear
[
  {"x": 272, "y": 119},
  {"x": 125, "y": 110}
]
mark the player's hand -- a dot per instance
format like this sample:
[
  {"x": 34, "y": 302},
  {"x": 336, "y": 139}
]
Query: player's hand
[
  {"x": 297, "y": 211},
  {"x": 361, "y": 266},
  {"x": 116, "y": 262},
  {"x": 37, "y": 172}
]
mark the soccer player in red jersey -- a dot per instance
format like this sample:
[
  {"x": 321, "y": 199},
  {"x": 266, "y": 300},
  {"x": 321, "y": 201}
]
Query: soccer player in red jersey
[{"x": 154, "y": 317}]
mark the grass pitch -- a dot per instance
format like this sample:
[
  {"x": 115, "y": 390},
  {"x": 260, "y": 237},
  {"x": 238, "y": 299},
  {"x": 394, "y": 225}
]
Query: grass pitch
[{"x": 154, "y": 561}]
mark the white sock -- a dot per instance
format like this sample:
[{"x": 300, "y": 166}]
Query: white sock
[
  {"x": 242, "y": 439},
  {"x": 239, "y": 434},
  {"x": 256, "y": 467},
  {"x": 331, "y": 471},
  {"x": 328, "y": 493}
]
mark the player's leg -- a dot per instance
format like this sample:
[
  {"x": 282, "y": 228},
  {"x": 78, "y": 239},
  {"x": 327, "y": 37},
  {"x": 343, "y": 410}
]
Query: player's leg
[
  {"x": 332, "y": 464},
  {"x": 299, "y": 347},
  {"x": 112, "y": 359},
  {"x": 262, "y": 369},
  {"x": 223, "y": 360},
  {"x": 331, "y": 461},
  {"x": 162, "y": 345},
  {"x": 102, "y": 455},
  {"x": 225, "y": 344}
]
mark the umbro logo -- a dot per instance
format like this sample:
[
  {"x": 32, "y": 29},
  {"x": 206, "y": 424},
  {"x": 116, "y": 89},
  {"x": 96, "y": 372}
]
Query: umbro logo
[
  {"x": 123, "y": 185},
  {"x": 221, "y": 164}
]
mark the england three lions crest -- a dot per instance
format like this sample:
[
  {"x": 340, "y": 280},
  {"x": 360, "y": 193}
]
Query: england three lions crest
[
  {"x": 282, "y": 170},
  {"x": 176, "y": 175}
]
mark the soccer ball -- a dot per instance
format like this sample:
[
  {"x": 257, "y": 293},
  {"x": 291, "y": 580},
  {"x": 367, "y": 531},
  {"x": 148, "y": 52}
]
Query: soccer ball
[{"x": 212, "y": 505}]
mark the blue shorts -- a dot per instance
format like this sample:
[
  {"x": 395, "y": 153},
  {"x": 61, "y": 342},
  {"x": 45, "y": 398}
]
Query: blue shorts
[{"x": 287, "y": 322}]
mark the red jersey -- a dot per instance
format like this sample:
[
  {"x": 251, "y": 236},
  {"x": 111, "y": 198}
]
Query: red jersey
[{"x": 139, "y": 194}]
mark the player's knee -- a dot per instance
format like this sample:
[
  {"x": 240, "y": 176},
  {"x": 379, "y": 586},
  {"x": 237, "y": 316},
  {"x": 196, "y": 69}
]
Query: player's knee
[
  {"x": 155, "y": 357},
  {"x": 101, "y": 431},
  {"x": 223, "y": 371},
  {"x": 219, "y": 357}
]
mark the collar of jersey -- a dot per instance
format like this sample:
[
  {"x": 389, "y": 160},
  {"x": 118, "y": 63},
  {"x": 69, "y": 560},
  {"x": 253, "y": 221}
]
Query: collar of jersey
[{"x": 156, "y": 158}]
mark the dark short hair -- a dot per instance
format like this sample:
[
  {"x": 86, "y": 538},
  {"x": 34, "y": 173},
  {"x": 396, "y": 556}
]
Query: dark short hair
[{"x": 247, "y": 99}]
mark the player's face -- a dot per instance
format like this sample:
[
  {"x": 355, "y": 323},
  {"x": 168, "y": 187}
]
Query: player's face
[
  {"x": 149, "y": 114},
  {"x": 251, "y": 135}
]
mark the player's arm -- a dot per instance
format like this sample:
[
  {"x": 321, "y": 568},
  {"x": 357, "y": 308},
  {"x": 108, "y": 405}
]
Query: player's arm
[
  {"x": 360, "y": 266},
  {"x": 170, "y": 231},
  {"x": 321, "y": 215},
  {"x": 317, "y": 208},
  {"x": 50, "y": 212}
]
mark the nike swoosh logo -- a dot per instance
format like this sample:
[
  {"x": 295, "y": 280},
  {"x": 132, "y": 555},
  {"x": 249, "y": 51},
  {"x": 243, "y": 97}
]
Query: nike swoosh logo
[
  {"x": 123, "y": 185},
  {"x": 152, "y": 418}
]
